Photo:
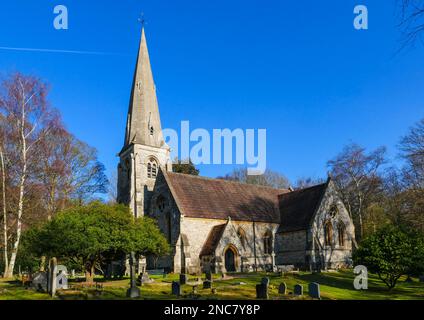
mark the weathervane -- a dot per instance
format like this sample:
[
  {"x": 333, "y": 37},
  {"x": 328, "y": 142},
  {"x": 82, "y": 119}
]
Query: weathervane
[{"x": 142, "y": 20}]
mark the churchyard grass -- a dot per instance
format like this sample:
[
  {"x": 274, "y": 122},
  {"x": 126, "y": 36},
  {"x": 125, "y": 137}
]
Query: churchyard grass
[{"x": 334, "y": 285}]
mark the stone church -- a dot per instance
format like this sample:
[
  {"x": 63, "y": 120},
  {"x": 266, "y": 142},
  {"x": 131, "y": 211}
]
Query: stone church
[{"x": 220, "y": 225}]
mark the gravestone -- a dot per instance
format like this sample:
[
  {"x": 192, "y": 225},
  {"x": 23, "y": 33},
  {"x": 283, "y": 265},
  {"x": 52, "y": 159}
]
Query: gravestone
[
  {"x": 51, "y": 283},
  {"x": 143, "y": 278},
  {"x": 183, "y": 278},
  {"x": 208, "y": 276},
  {"x": 261, "y": 291},
  {"x": 73, "y": 273},
  {"x": 133, "y": 291},
  {"x": 39, "y": 281},
  {"x": 298, "y": 290},
  {"x": 61, "y": 277},
  {"x": 422, "y": 278},
  {"x": 265, "y": 281},
  {"x": 194, "y": 290},
  {"x": 207, "y": 284},
  {"x": 282, "y": 289},
  {"x": 176, "y": 288},
  {"x": 314, "y": 290}
]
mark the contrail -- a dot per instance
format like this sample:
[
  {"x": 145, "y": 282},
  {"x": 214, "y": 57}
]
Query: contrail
[{"x": 60, "y": 51}]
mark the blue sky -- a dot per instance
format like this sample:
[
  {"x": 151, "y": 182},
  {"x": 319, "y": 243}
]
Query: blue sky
[{"x": 296, "y": 68}]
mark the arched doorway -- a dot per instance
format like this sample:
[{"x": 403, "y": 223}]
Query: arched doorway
[{"x": 230, "y": 260}]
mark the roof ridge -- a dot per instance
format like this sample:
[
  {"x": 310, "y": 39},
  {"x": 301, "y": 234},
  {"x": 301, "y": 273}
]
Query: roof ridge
[
  {"x": 307, "y": 188},
  {"x": 227, "y": 181}
]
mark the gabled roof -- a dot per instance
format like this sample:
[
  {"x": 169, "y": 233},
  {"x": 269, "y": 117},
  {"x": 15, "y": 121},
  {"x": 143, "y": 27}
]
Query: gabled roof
[
  {"x": 200, "y": 197},
  {"x": 297, "y": 208},
  {"x": 213, "y": 239}
]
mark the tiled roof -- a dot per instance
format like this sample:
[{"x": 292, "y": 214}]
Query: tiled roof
[
  {"x": 201, "y": 197},
  {"x": 298, "y": 207}
]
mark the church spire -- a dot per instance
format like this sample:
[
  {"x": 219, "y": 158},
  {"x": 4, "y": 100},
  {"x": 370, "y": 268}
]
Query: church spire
[{"x": 143, "y": 120}]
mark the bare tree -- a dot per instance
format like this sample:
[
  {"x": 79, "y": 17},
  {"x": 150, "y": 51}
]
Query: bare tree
[
  {"x": 3, "y": 203},
  {"x": 305, "y": 182},
  {"x": 87, "y": 174},
  {"x": 28, "y": 119},
  {"x": 269, "y": 178},
  {"x": 411, "y": 21},
  {"x": 357, "y": 177},
  {"x": 411, "y": 195},
  {"x": 112, "y": 187}
]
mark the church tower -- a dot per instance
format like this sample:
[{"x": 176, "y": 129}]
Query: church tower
[{"x": 144, "y": 149}]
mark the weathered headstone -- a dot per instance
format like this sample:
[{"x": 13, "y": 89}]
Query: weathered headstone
[
  {"x": 282, "y": 289},
  {"x": 51, "y": 283},
  {"x": 61, "y": 277},
  {"x": 298, "y": 290},
  {"x": 421, "y": 278},
  {"x": 314, "y": 290},
  {"x": 183, "y": 278},
  {"x": 39, "y": 281},
  {"x": 176, "y": 288},
  {"x": 143, "y": 278},
  {"x": 261, "y": 291},
  {"x": 265, "y": 281},
  {"x": 207, "y": 284},
  {"x": 73, "y": 273}
]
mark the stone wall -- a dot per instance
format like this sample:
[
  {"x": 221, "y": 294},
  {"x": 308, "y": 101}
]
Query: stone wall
[
  {"x": 134, "y": 186},
  {"x": 291, "y": 248}
]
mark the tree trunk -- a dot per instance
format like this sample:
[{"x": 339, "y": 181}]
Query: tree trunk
[
  {"x": 5, "y": 242},
  {"x": 21, "y": 195},
  {"x": 89, "y": 272}
]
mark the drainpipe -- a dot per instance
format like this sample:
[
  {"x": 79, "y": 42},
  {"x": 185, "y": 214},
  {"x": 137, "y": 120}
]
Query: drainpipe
[{"x": 254, "y": 246}]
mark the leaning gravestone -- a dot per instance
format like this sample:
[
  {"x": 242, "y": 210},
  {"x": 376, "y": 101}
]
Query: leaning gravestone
[
  {"x": 183, "y": 278},
  {"x": 282, "y": 289},
  {"x": 207, "y": 284},
  {"x": 298, "y": 290},
  {"x": 265, "y": 281},
  {"x": 176, "y": 288},
  {"x": 314, "y": 290},
  {"x": 261, "y": 291},
  {"x": 39, "y": 281}
]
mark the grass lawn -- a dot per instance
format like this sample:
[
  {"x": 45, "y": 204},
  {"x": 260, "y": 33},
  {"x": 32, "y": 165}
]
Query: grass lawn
[{"x": 334, "y": 285}]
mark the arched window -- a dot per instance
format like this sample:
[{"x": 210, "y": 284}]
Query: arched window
[
  {"x": 267, "y": 242},
  {"x": 328, "y": 233},
  {"x": 334, "y": 210},
  {"x": 342, "y": 234},
  {"x": 127, "y": 167},
  {"x": 152, "y": 169},
  {"x": 242, "y": 236},
  {"x": 161, "y": 203}
]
